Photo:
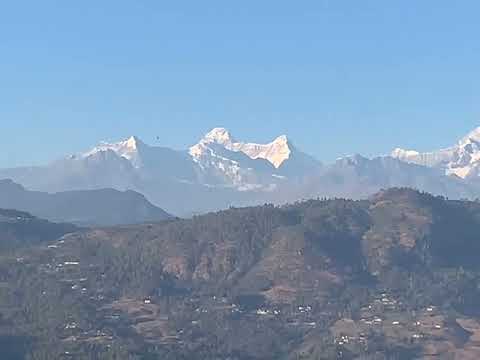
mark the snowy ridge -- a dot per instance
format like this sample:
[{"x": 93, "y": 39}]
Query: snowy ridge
[
  {"x": 220, "y": 171},
  {"x": 217, "y": 160},
  {"x": 221, "y": 162},
  {"x": 276, "y": 152},
  {"x": 462, "y": 159},
  {"x": 127, "y": 149}
]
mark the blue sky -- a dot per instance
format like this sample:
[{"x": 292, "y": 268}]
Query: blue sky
[{"x": 339, "y": 77}]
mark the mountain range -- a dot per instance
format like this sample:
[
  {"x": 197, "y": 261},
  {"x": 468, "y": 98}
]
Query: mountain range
[
  {"x": 221, "y": 171},
  {"x": 461, "y": 160}
]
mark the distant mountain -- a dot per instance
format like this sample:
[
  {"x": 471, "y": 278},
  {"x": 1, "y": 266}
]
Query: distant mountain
[
  {"x": 82, "y": 207},
  {"x": 220, "y": 171},
  {"x": 244, "y": 164},
  {"x": 358, "y": 177},
  {"x": 217, "y": 172},
  {"x": 462, "y": 159}
]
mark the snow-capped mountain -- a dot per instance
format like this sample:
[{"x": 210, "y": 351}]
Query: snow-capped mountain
[
  {"x": 128, "y": 149},
  {"x": 358, "y": 177},
  {"x": 276, "y": 152},
  {"x": 220, "y": 171},
  {"x": 247, "y": 166},
  {"x": 462, "y": 159},
  {"x": 216, "y": 172},
  {"x": 216, "y": 160}
]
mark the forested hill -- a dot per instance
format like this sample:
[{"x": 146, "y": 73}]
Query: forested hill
[
  {"x": 21, "y": 229},
  {"x": 392, "y": 277}
]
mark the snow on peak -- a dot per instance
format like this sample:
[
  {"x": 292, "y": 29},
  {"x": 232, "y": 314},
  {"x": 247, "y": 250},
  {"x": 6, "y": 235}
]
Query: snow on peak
[
  {"x": 219, "y": 135},
  {"x": 276, "y": 152},
  {"x": 132, "y": 142},
  {"x": 462, "y": 160},
  {"x": 472, "y": 136},
  {"x": 127, "y": 149},
  {"x": 282, "y": 139}
]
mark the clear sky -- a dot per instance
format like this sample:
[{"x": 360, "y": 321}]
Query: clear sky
[{"x": 339, "y": 77}]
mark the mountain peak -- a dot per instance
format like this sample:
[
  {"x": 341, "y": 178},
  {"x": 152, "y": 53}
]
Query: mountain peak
[
  {"x": 132, "y": 142},
  {"x": 276, "y": 152},
  {"x": 127, "y": 149},
  {"x": 282, "y": 139},
  {"x": 473, "y": 135},
  {"x": 354, "y": 159},
  {"x": 219, "y": 135},
  {"x": 462, "y": 159}
]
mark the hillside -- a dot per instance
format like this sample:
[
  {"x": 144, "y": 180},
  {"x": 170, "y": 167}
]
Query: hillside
[
  {"x": 392, "y": 277},
  {"x": 83, "y": 207},
  {"x": 19, "y": 229}
]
